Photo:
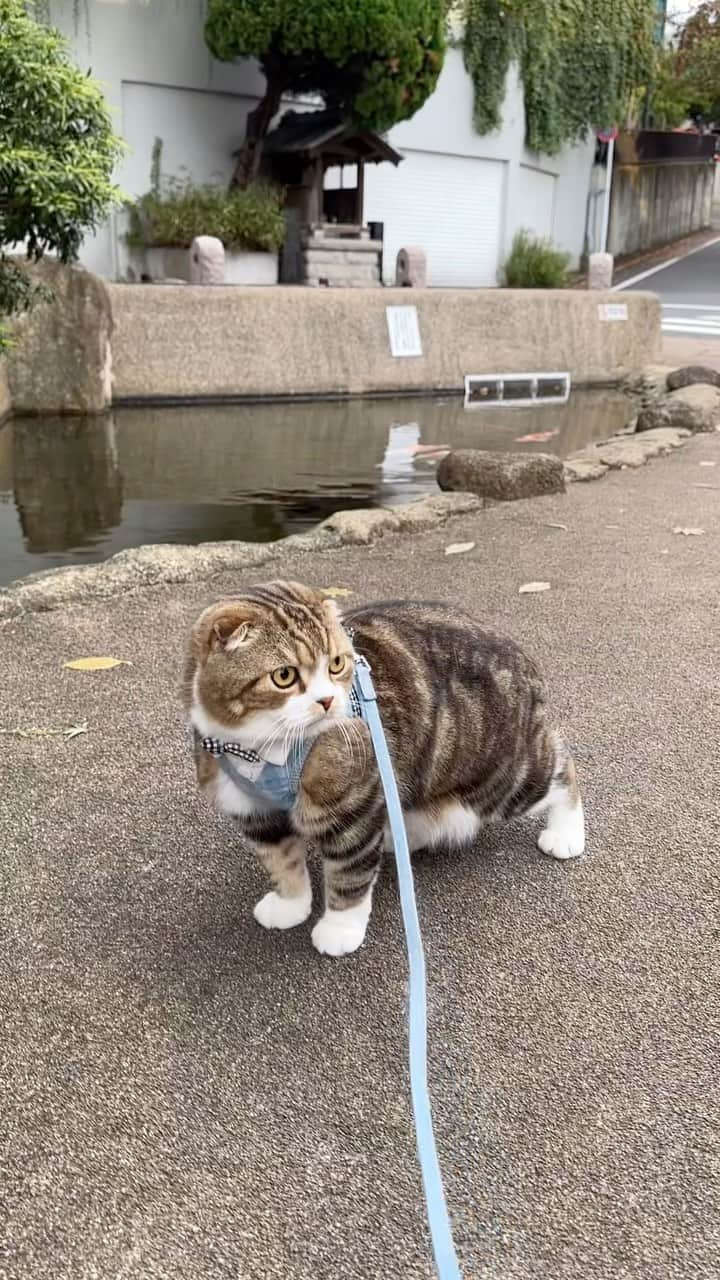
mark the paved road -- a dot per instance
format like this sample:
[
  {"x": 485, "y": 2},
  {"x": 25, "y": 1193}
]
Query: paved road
[
  {"x": 689, "y": 290},
  {"x": 185, "y": 1097}
]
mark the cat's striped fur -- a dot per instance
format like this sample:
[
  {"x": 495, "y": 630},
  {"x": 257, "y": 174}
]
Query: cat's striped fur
[{"x": 463, "y": 710}]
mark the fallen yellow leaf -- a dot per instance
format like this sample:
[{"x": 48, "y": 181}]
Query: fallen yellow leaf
[
  {"x": 333, "y": 592},
  {"x": 96, "y": 664},
  {"x": 529, "y": 588}
]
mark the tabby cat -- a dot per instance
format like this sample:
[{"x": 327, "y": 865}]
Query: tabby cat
[{"x": 277, "y": 745}]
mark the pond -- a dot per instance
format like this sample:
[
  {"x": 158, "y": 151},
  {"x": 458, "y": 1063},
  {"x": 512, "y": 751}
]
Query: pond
[{"x": 76, "y": 490}]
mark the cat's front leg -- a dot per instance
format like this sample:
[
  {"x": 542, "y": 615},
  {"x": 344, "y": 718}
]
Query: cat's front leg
[
  {"x": 340, "y": 808},
  {"x": 290, "y": 901},
  {"x": 283, "y": 853}
]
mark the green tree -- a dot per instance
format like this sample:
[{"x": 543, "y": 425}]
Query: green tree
[
  {"x": 376, "y": 61},
  {"x": 698, "y": 60},
  {"x": 57, "y": 153},
  {"x": 669, "y": 95}
]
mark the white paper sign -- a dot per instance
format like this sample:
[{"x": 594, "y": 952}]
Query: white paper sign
[
  {"x": 404, "y": 331},
  {"x": 612, "y": 311}
]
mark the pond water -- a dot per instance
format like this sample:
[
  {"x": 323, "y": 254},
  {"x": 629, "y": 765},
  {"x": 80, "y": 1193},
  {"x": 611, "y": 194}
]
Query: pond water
[{"x": 76, "y": 490}]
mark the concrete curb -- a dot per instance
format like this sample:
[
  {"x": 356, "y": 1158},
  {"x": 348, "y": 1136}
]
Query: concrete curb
[{"x": 623, "y": 451}]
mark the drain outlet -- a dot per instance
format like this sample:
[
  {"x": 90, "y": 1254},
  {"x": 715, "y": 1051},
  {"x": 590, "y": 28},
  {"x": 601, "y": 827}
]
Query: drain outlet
[{"x": 519, "y": 389}]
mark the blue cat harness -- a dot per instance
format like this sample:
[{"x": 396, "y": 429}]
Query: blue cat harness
[{"x": 276, "y": 786}]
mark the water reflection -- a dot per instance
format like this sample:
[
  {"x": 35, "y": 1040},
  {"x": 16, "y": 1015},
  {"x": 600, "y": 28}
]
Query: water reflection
[
  {"x": 67, "y": 481},
  {"x": 79, "y": 489}
]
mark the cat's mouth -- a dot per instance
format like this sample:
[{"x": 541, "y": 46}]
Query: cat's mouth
[{"x": 322, "y": 720}]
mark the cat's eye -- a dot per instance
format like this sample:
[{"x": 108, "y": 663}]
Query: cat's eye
[
  {"x": 337, "y": 665},
  {"x": 284, "y": 677}
]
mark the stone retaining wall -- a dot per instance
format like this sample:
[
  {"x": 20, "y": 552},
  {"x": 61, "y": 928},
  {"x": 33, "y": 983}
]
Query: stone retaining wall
[
  {"x": 186, "y": 342},
  {"x": 193, "y": 342},
  {"x": 654, "y": 204}
]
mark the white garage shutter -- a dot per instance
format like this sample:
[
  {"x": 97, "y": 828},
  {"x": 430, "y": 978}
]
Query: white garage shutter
[{"x": 451, "y": 206}]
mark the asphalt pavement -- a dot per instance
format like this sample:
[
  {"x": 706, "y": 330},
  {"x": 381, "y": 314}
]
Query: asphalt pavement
[
  {"x": 187, "y": 1097},
  {"x": 689, "y": 290}
]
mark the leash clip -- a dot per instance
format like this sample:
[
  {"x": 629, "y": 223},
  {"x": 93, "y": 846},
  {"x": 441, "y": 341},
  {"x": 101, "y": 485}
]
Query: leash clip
[{"x": 364, "y": 679}]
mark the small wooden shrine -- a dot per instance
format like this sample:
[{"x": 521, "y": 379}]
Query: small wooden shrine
[{"x": 325, "y": 221}]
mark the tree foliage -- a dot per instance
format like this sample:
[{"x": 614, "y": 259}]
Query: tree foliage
[
  {"x": 698, "y": 61},
  {"x": 581, "y": 62},
  {"x": 57, "y": 151},
  {"x": 375, "y": 61},
  {"x": 669, "y": 95}
]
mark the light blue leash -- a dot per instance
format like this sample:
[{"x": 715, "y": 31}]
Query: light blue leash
[{"x": 441, "y": 1235}]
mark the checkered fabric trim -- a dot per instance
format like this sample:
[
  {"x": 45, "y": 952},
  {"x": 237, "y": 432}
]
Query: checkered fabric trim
[
  {"x": 355, "y": 702},
  {"x": 217, "y": 748},
  {"x": 354, "y": 695}
]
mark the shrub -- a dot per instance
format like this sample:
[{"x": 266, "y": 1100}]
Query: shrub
[
  {"x": 535, "y": 264},
  {"x": 171, "y": 216}
]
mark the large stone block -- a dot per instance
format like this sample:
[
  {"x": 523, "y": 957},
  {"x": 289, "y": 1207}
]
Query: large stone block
[
  {"x": 61, "y": 361},
  {"x": 691, "y": 374},
  {"x": 503, "y": 477},
  {"x": 695, "y": 408}
]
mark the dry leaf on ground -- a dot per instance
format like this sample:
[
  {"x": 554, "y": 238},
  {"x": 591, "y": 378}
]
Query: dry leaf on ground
[
  {"x": 96, "y": 664},
  {"x": 332, "y": 593},
  {"x": 457, "y": 548},
  {"x": 69, "y": 731},
  {"x": 688, "y": 533},
  {"x": 530, "y": 588}
]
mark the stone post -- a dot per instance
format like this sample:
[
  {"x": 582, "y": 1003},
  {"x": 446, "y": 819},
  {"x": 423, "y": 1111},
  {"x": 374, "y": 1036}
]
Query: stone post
[
  {"x": 600, "y": 271},
  {"x": 207, "y": 261},
  {"x": 411, "y": 268}
]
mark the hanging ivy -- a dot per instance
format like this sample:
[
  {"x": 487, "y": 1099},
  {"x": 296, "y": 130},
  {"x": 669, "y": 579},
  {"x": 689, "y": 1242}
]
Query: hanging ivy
[{"x": 581, "y": 62}]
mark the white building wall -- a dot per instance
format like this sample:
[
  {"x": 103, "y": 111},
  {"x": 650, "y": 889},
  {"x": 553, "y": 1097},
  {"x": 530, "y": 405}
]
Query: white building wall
[
  {"x": 547, "y": 195},
  {"x": 460, "y": 194},
  {"x": 160, "y": 80}
]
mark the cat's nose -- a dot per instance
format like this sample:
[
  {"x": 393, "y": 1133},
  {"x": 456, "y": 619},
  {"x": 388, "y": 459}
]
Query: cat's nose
[{"x": 326, "y": 703}]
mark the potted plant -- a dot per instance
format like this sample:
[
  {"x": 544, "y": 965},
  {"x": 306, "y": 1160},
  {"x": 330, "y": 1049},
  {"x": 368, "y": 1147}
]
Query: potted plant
[{"x": 164, "y": 222}]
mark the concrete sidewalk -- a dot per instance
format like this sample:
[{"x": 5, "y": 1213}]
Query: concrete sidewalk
[{"x": 186, "y": 1097}]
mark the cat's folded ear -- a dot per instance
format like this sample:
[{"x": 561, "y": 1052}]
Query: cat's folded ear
[{"x": 226, "y": 625}]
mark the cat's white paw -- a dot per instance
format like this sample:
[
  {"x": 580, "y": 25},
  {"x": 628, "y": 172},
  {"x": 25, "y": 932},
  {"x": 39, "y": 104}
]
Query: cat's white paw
[
  {"x": 274, "y": 912},
  {"x": 564, "y": 835},
  {"x": 339, "y": 933}
]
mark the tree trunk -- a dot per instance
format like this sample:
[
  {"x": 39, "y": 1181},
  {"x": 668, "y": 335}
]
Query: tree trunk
[{"x": 256, "y": 127}]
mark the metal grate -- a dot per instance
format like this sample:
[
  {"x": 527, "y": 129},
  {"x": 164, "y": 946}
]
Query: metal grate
[{"x": 515, "y": 389}]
